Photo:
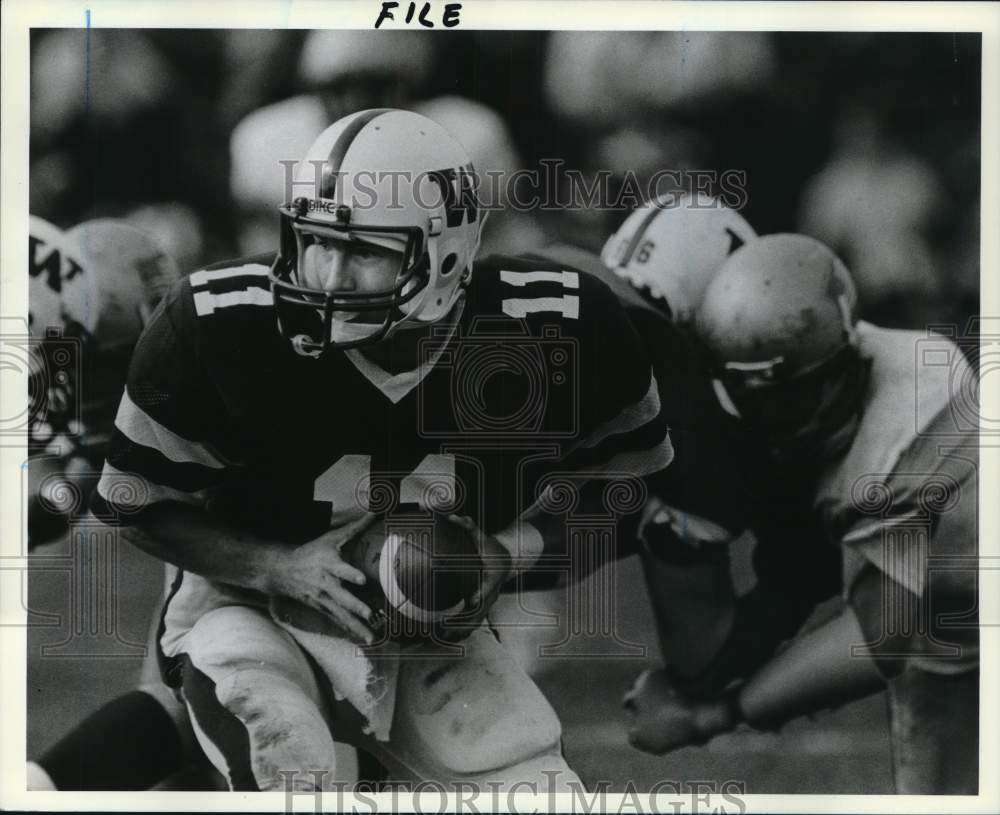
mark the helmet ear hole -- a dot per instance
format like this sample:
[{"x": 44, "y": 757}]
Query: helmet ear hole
[{"x": 448, "y": 264}]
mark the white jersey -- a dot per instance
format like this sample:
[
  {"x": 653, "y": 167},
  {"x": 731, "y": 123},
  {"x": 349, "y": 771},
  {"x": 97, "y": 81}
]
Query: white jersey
[{"x": 914, "y": 449}]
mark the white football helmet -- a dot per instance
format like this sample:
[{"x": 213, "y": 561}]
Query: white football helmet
[
  {"x": 672, "y": 246},
  {"x": 131, "y": 273},
  {"x": 91, "y": 292},
  {"x": 62, "y": 296},
  {"x": 62, "y": 314},
  {"x": 385, "y": 178}
]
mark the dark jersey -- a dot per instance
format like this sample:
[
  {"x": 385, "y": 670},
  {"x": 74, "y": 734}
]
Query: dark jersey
[
  {"x": 720, "y": 471},
  {"x": 707, "y": 442},
  {"x": 542, "y": 380}
]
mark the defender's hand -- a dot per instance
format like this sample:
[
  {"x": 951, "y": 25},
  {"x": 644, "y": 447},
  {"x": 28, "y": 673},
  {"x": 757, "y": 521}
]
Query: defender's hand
[
  {"x": 498, "y": 569},
  {"x": 314, "y": 574},
  {"x": 659, "y": 720}
]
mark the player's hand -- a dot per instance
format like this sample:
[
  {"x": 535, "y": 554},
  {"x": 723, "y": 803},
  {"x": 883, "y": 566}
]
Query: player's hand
[
  {"x": 314, "y": 574},
  {"x": 497, "y": 570},
  {"x": 660, "y": 720}
]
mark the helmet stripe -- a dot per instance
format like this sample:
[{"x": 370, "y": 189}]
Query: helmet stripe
[
  {"x": 655, "y": 207},
  {"x": 340, "y": 148}
]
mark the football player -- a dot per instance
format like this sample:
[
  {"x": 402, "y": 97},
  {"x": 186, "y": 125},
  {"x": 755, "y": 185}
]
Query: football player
[
  {"x": 61, "y": 299},
  {"x": 890, "y": 457},
  {"x": 278, "y": 406},
  {"x": 659, "y": 264},
  {"x": 91, "y": 290}
]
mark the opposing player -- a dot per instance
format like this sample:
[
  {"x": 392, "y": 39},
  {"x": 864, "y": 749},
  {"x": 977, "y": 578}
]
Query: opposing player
[
  {"x": 61, "y": 313},
  {"x": 277, "y": 407},
  {"x": 91, "y": 290},
  {"x": 659, "y": 264},
  {"x": 891, "y": 464}
]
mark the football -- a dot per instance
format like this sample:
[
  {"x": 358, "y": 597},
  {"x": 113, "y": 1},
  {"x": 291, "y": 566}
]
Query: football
[
  {"x": 421, "y": 570},
  {"x": 425, "y": 568}
]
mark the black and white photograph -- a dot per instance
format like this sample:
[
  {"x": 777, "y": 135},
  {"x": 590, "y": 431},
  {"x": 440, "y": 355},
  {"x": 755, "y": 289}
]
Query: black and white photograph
[{"x": 462, "y": 407}]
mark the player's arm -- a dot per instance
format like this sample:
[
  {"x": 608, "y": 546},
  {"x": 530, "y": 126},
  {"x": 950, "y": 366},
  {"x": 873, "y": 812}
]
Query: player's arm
[
  {"x": 196, "y": 541},
  {"x": 164, "y": 464},
  {"x": 685, "y": 560},
  {"x": 615, "y": 453},
  {"x": 830, "y": 666},
  {"x": 825, "y": 668},
  {"x": 623, "y": 434},
  {"x": 710, "y": 637}
]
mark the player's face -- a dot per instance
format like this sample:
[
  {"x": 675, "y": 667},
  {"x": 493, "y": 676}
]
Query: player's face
[
  {"x": 349, "y": 265},
  {"x": 808, "y": 410}
]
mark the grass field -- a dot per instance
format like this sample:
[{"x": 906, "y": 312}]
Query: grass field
[{"x": 843, "y": 751}]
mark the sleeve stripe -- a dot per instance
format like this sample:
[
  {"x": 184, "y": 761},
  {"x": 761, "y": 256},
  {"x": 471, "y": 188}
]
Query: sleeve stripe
[
  {"x": 231, "y": 284},
  {"x": 632, "y": 463},
  {"x": 141, "y": 428},
  {"x": 568, "y": 306},
  {"x": 249, "y": 269},
  {"x": 129, "y": 492},
  {"x": 150, "y": 463},
  {"x": 206, "y": 303},
  {"x": 652, "y": 438},
  {"x": 642, "y": 462},
  {"x": 524, "y": 543},
  {"x": 631, "y": 418}
]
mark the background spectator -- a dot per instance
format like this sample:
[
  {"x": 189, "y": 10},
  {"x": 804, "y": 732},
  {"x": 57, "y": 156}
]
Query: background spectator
[{"x": 867, "y": 141}]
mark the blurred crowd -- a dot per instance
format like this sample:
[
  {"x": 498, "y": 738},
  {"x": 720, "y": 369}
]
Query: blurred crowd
[{"x": 869, "y": 142}]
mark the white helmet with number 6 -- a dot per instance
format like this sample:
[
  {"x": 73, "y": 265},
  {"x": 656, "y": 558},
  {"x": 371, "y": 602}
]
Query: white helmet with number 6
[{"x": 672, "y": 247}]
